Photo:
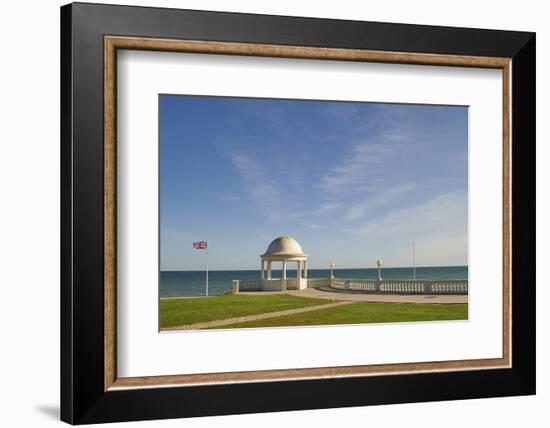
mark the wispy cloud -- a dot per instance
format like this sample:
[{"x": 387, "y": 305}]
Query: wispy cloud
[
  {"x": 381, "y": 198},
  {"x": 358, "y": 171},
  {"x": 264, "y": 192},
  {"x": 439, "y": 226},
  {"x": 225, "y": 197},
  {"x": 314, "y": 226},
  {"x": 445, "y": 214},
  {"x": 365, "y": 178}
]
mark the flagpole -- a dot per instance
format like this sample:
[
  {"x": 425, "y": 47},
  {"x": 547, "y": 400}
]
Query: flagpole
[
  {"x": 414, "y": 261},
  {"x": 207, "y": 267}
]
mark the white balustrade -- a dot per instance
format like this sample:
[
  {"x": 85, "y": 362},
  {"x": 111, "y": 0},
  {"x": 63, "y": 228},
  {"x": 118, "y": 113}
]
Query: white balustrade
[
  {"x": 318, "y": 282},
  {"x": 459, "y": 286},
  {"x": 250, "y": 285}
]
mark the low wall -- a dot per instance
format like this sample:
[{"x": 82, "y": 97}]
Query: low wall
[
  {"x": 265, "y": 285},
  {"x": 447, "y": 286},
  {"x": 318, "y": 282},
  {"x": 354, "y": 284},
  {"x": 247, "y": 285}
]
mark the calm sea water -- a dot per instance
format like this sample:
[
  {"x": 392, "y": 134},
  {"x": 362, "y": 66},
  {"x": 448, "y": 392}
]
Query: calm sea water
[{"x": 192, "y": 283}]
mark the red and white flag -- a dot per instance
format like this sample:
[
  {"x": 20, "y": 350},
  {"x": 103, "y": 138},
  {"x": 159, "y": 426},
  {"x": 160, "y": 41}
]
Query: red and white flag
[{"x": 200, "y": 245}]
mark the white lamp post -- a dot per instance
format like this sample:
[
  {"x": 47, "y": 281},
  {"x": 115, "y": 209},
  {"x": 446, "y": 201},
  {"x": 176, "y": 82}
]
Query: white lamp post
[
  {"x": 379, "y": 264},
  {"x": 331, "y": 269}
]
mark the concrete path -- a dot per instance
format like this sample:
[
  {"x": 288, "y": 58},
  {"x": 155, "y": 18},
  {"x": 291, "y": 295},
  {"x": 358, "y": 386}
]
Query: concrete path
[
  {"x": 238, "y": 320},
  {"x": 360, "y": 297}
]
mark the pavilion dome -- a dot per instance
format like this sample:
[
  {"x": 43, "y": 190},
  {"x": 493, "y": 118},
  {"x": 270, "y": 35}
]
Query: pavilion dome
[{"x": 284, "y": 246}]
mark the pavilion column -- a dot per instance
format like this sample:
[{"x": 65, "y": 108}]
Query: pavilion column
[
  {"x": 298, "y": 271},
  {"x": 305, "y": 269},
  {"x": 284, "y": 269},
  {"x": 269, "y": 269},
  {"x": 262, "y": 269}
]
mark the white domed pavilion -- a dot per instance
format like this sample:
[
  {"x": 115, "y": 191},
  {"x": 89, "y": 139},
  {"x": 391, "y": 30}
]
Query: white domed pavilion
[{"x": 283, "y": 249}]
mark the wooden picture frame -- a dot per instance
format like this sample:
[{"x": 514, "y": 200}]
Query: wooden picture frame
[{"x": 91, "y": 390}]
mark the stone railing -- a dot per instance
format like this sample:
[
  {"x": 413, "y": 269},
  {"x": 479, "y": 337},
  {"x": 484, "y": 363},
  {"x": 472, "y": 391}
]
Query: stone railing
[
  {"x": 354, "y": 284},
  {"x": 290, "y": 283},
  {"x": 247, "y": 285},
  {"x": 405, "y": 287},
  {"x": 449, "y": 286},
  {"x": 256, "y": 284},
  {"x": 318, "y": 282}
]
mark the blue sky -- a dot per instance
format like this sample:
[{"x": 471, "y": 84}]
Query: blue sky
[{"x": 352, "y": 182}]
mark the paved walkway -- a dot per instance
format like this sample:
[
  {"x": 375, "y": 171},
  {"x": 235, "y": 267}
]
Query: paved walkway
[
  {"x": 361, "y": 297},
  {"x": 238, "y": 320}
]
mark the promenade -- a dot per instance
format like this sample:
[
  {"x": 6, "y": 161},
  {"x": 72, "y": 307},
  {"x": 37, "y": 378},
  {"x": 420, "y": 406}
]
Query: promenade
[{"x": 361, "y": 297}]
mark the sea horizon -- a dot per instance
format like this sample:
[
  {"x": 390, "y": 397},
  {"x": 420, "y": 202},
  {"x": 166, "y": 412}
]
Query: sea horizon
[
  {"x": 177, "y": 283},
  {"x": 312, "y": 268}
]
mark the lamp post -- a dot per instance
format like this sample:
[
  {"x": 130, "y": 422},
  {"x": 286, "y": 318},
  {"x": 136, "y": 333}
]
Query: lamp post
[
  {"x": 379, "y": 264},
  {"x": 331, "y": 270}
]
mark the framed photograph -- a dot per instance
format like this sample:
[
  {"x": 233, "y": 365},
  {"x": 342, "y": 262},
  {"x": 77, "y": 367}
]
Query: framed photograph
[{"x": 266, "y": 213}]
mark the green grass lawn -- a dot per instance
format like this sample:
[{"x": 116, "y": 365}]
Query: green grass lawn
[
  {"x": 175, "y": 312},
  {"x": 360, "y": 313}
]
